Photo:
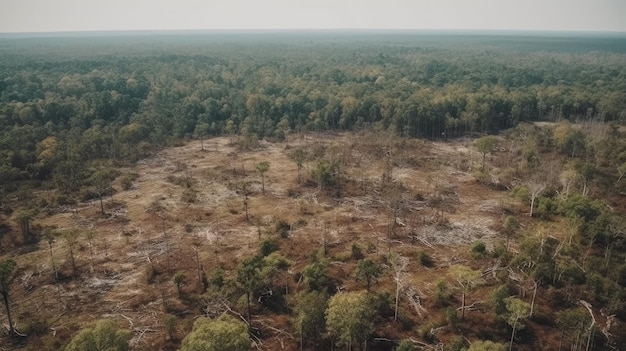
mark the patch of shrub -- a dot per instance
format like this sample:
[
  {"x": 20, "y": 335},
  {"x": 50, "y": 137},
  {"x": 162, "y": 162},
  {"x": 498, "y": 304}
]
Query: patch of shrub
[
  {"x": 217, "y": 278},
  {"x": 426, "y": 333},
  {"x": 452, "y": 318},
  {"x": 282, "y": 228},
  {"x": 424, "y": 259},
  {"x": 61, "y": 200},
  {"x": 457, "y": 344},
  {"x": 357, "y": 252},
  {"x": 126, "y": 182},
  {"x": 189, "y": 195},
  {"x": 442, "y": 293},
  {"x": 479, "y": 249},
  {"x": 268, "y": 246}
]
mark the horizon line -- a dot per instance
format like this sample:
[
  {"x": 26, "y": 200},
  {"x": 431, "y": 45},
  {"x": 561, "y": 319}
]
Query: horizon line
[{"x": 285, "y": 30}]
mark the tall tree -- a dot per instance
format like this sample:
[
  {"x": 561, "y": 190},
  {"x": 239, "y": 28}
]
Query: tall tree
[
  {"x": 517, "y": 312},
  {"x": 222, "y": 334},
  {"x": 349, "y": 317},
  {"x": 316, "y": 274},
  {"x": 7, "y": 276},
  {"x": 201, "y": 131},
  {"x": 49, "y": 236},
  {"x": 368, "y": 271},
  {"x": 101, "y": 184},
  {"x": 467, "y": 279},
  {"x": 298, "y": 156},
  {"x": 71, "y": 238},
  {"x": 249, "y": 280},
  {"x": 310, "y": 322},
  {"x": 262, "y": 167},
  {"x": 399, "y": 264},
  {"x": 535, "y": 187},
  {"x": 179, "y": 281},
  {"x": 105, "y": 335},
  {"x": 23, "y": 216},
  {"x": 486, "y": 145}
]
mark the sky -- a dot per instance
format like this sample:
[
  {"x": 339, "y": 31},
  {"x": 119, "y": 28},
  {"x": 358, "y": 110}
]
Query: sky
[{"x": 104, "y": 15}]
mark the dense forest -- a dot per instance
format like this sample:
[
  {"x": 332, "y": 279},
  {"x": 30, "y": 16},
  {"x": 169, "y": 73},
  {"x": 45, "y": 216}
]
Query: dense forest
[
  {"x": 65, "y": 100},
  {"x": 178, "y": 152}
]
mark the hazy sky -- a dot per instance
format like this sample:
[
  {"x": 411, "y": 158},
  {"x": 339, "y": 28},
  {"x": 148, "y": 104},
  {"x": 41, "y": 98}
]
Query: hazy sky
[{"x": 82, "y": 15}]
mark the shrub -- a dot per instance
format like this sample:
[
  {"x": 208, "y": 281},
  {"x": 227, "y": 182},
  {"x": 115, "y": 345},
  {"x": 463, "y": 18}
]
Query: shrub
[
  {"x": 478, "y": 249},
  {"x": 268, "y": 246},
  {"x": 406, "y": 345},
  {"x": 217, "y": 278},
  {"x": 189, "y": 195},
  {"x": 282, "y": 228},
  {"x": 357, "y": 253},
  {"x": 451, "y": 317},
  {"x": 424, "y": 259},
  {"x": 442, "y": 293}
]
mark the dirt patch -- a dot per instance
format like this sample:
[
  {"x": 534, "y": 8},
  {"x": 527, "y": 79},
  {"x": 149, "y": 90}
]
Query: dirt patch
[{"x": 186, "y": 200}]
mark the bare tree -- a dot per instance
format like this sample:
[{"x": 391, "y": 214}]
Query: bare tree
[
  {"x": 535, "y": 187},
  {"x": 71, "y": 237},
  {"x": 49, "y": 236},
  {"x": 398, "y": 264},
  {"x": 7, "y": 275}
]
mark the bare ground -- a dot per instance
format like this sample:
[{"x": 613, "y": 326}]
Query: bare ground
[{"x": 152, "y": 219}]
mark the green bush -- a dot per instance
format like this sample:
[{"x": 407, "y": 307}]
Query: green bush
[
  {"x": 268, "y": 246},
  {"x": 357, "y": 252},
  {"x": 424, "y": 259},
  {"x": 479, "y": 249}
]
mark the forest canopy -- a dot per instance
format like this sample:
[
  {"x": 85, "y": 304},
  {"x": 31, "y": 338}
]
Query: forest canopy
[{"x": 67, "y": 99}]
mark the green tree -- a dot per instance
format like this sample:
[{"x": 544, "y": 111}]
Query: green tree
[
  {"x": 575, "y": 323},
  {"x": 169, "y": 322},
  {"x": 298, "y": 156},
  {"x": 517, "y": 312},
  {"x": 486, "y": 345},
  {"x": 23, "y": 216},
  {"x": 201, "y": 131},
  {"x": 327, "y": 174},
  {"x": 497, "y": 298},
  {"x": 467, "y": 279},
  {"x": 511, "y": 224},
  {"x": 368, "y": 271},
  {"x": 249, "y": 280},
  {"x": 222, "y": 334},
  {"x": 486, "y": 145},
  {"x": 310, "y": 308},
  {"x": 316, "y": 275},
  {"x": 7, "y": 268},
  {"x": 262, "y": 167},
  {"x": 104, "y": 336},
  {"x": 349, "y": 317},
  {"x": 101, "y": 183},
  {"x": 179, "y": 281}
]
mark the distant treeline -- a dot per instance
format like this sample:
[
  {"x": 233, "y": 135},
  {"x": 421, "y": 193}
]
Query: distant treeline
[{"x": 68, "y": 100}]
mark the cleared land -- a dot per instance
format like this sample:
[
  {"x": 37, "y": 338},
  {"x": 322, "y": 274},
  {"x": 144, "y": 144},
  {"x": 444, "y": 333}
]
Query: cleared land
[{"x": 188, "y": 204}]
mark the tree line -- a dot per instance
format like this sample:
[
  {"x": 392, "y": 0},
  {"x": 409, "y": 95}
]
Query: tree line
[{"x": 69, "y": 101}]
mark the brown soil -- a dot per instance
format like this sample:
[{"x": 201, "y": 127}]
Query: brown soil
[{"x": 131, "y": 277}]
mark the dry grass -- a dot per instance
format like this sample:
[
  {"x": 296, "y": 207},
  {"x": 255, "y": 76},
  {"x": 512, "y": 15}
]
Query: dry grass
[{"x": 131, "y": 280}]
